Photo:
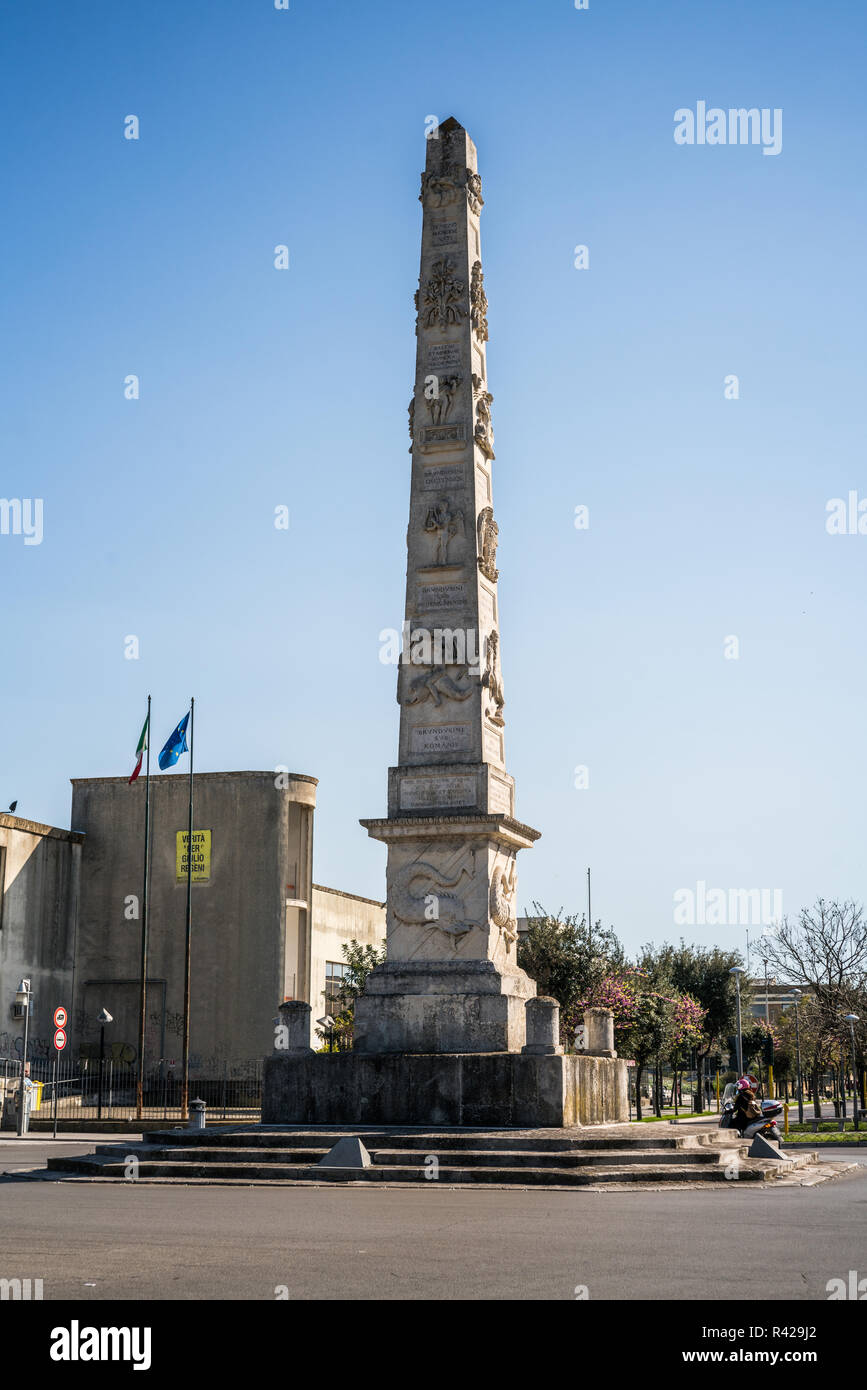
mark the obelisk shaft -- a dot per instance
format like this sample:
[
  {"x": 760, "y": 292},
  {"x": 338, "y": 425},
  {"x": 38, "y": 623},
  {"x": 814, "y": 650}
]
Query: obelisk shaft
[
  {"x": 451, "y": 982},
  {"x": 450, "y": 687}
]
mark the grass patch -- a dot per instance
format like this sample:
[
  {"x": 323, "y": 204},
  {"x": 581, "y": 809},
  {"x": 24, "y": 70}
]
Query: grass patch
[
  {"x": 822, "y": 1138},
  {"x": 825, "y": 1127},
  {"x": 828, "y": 1134}
]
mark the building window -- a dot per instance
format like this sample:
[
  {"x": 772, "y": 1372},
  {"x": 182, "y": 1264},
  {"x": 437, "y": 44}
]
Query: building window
[{"x": 335, "y": 974}]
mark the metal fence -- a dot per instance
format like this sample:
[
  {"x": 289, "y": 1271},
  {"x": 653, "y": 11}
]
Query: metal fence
[
  {"x": 683, "y": 1098},
  {"x": 87, "y": 1091}
]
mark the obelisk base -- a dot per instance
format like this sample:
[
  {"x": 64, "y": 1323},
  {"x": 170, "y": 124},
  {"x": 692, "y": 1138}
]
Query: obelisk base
[
  {"x": 494, "y": 1089},
  {"x": 442, "y": 1006},
  {"x": 451, "y": 982}
]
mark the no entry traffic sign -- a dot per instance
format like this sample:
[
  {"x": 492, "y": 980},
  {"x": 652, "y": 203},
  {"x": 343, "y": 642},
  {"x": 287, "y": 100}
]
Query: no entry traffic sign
[
  {"x": 60, "y": 1039},
  {"x": 60, "y": 1017}
]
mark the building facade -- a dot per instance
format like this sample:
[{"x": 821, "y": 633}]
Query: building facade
[
  {"x": 39, "y": 878},
  {"x": 71, "y": 918},
  {"x": 339, "y": 918}
]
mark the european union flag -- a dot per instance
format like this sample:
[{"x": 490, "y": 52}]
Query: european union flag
[{"x": 175, "y": 745}]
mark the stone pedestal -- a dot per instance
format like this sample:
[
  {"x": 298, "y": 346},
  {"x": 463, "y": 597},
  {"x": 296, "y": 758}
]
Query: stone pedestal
[
  {"x": 451, "y": 982},
  {"x": 599, "y": 1033},
  {"x": 543, "y": 1028},
  {"x": 292, "y": 1028},
  {"x": 442, "y": 1006}
]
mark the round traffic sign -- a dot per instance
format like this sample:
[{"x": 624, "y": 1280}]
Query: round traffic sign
[
  {"x": 60, "y": 1039},
  {"x": 60, "y": 1017}
]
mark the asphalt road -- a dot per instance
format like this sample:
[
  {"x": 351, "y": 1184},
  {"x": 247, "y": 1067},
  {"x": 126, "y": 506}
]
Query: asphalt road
[
  {"x": 28, "y": 1155},
  {"x": 105, "y": 1241}
]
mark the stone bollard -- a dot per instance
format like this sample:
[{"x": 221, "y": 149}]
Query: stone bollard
[
  {"x": 197, "y": 1114},
  {"x": 292, "y": 1029},
  {"x": 599, "y": 1033},
  {"x": 543, "y": 1028}
]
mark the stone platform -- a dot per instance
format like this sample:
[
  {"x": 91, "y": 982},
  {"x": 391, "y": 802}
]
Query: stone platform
[
  {"x": 490, "y": 1089},
  {"x": 647, "y": 1156}
]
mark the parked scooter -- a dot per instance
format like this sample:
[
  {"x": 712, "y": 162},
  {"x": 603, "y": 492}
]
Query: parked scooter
[{"x": 726, "y": 1119}]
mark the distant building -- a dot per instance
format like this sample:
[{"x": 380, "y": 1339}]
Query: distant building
[
  {"x": 338, "y": 918},
  {"x": 70, "y": 917},
  {"x": 778, "y": 997},
  {"x": 39, "y": 877}
]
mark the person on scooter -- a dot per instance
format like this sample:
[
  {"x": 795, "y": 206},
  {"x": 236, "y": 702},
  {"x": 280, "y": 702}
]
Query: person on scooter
[{"x": 747, "y": 1116}]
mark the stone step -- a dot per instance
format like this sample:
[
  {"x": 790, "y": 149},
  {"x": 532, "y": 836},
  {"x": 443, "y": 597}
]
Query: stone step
[
  {"x": 479, "y": 1158},
  {"x": 410, "y": 1140},
  {"x": 447, "y": 1176},
  {"x": 482, "y": 1158}
]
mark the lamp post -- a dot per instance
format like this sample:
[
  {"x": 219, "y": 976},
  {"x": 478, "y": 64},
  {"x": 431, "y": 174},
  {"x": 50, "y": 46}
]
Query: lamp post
[
  {"x": 796, "y": 995},
  {"x": 852, "y": 1019},
  {"x": 737, "y": 971},
  {"x": 23, "y": 996},
  {"x": 104, "y": 1018}
]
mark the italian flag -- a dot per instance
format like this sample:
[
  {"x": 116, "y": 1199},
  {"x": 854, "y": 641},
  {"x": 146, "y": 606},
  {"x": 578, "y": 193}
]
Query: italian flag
[{"x": 140, "y": 750}]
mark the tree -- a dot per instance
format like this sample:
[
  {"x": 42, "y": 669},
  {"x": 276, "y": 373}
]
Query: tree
[
  {"x": 823, "y": 1045},
  {"x": 568, "y": 961},
  {"x": 649, "y": 1022},
  {"x": 759, "y": 1041},
  {"x": 360, "y": 961},
  {"x": 646, "y": 1035},
  {"x": 687, "y": 1022},
  {"x": 703, "y": 974},
  {"x": 826, "y": 951}
]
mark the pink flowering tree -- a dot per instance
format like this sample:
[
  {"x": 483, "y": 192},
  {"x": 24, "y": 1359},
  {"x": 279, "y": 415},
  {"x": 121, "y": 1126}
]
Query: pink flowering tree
[{"x": 648, "y": 1022}]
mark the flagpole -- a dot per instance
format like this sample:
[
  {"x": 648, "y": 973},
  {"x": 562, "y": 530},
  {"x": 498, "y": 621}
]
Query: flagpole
[
  {"x": 142, "y": 1013},
  {"x": 185, "y": 1096}
]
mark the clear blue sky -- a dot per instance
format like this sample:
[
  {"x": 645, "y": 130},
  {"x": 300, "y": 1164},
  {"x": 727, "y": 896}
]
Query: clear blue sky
[{"x": 261, "y": 387}]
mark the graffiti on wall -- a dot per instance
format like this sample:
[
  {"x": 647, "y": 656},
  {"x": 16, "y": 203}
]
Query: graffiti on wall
[{"x": 11, "y": 1046}]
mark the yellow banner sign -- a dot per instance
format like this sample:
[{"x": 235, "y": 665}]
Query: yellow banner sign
[{"x": 201, "y": 856}]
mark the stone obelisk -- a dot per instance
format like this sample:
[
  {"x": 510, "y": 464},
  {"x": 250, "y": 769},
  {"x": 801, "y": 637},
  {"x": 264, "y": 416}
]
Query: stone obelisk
[{"x": 451, "y": 982}]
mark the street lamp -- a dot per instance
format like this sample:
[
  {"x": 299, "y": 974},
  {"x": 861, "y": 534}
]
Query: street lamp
[
  {"x": 796, "y": 995},
  {"x": 737, "y": 971},
  {"x": 852, "y": 1019},
  {"x": 104, "y": 1018},
  {"x": 23, "y": 996}
]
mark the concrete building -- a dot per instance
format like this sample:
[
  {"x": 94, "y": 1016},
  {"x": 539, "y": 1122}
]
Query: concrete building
[
  {"x": 39, "y": 875},
  {"x": 70, "y": 917}
]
